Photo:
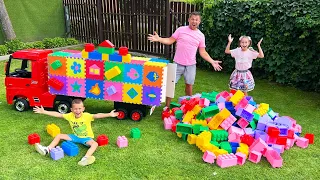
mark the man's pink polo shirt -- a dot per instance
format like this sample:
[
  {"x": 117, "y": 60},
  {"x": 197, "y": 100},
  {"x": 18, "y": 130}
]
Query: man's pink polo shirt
[{"x": 188, "y": 42}]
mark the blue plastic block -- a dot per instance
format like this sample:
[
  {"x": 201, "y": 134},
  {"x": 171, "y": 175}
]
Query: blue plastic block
[
  {"x": 298, "y": 134},
  {"x": 159, "y": 60},
  {"x": 95, "y": 55},
  {"x": 228, "y": 105},
  {"x": 70, "y": 148},
  {"x": 234, "y": 144},
  {"x": 56, "y": 153},
  {"x": 115, "y": 57},
  {"x": 234, "y": 149},
  {"x": 111, "y": 90},
  {"x": 246, "y": 115}
]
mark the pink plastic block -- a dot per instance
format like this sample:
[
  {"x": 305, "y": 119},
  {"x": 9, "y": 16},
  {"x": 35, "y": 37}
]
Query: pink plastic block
[
  {"x": 255, "y": 156},
  {"x": 242, "y": 104},
  {"x": 223, "y": 94},
  {"x": 258, "y": 145},
  {"x": 302, "y": 142},
  {"x": 221, "y": 105},
  {"x": 227, "y": 160},
  {"x": 235, "y": 130},
  {"x": 204, "y": 102},
  {"x": 290, "y": 143},
  {"x": 241, "y": 158},
  {"x": 173, "y": 118},
  {"x": 227, "y": 123},
  {"x": 167, "y": 123},
  {"x": 274, "y": 158},
  {"x": 243, "y": 123},
  {"x": 250, "y": 108},
  {"x": 234, "y": 138},
  {"x": 264, "y": 152},
  {"x": 208, "y": 157},
  {"x": 297, "y": 128},
  {"x": 122, "y": 141}
]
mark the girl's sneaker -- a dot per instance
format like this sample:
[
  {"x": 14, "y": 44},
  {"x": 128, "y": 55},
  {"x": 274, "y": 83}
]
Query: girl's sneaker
[
  {"x": 87, "y": 161},
  {"x": 43, "y": 150}
]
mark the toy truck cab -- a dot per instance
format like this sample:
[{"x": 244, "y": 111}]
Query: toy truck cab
[{"x": 26, "y": 81}]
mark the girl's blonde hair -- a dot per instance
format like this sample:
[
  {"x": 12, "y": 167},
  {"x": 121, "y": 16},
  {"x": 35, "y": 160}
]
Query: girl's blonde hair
[{"x": 249, "y": 38}]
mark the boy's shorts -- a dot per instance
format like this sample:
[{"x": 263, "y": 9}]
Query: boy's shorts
[
  {"x": 188, "y": 72},
  {"x": 76, "y": 139}
]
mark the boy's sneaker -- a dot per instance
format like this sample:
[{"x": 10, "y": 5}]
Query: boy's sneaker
[
  {"x": 43, "y": 150},
  {"x": 87, "y": 161}
]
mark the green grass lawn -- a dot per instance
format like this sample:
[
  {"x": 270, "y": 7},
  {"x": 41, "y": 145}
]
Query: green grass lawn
[{"x": 159, "y": 154}]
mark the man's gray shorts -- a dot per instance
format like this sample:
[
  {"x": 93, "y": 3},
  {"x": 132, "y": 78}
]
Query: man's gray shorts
[{"x": 188, "y": 72}]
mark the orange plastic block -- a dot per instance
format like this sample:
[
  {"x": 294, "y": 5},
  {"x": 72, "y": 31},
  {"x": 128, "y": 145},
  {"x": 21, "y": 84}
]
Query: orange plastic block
[
  {"x": 113, "y": 72},
  {"x": 126, "y": 58},
  {"x": 53, "y": 130}
]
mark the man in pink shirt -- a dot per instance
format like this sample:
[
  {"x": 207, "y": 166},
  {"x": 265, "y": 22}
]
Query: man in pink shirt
[{"x": 189, "y": 39}]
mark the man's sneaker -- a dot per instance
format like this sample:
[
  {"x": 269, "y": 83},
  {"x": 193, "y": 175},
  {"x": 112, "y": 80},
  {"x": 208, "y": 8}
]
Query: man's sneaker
[
  {"x": 87, "y": 161},
  {"x": 43, "y": 150}
]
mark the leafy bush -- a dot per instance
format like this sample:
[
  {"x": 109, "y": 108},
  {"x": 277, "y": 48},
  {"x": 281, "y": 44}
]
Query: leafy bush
[
  {"x": 291, "y": 32},
  {"x": 14, "y": 45},
  {"x": 71, "y": 41},
  {"x": 3, "y": 50},
  {"x": 38, "y": 45}
]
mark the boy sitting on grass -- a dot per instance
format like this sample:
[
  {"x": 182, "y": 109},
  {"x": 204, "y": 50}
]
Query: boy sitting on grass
[{"x": 80, "y": 123}]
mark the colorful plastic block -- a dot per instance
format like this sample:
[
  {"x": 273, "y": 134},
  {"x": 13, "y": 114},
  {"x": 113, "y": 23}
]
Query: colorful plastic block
[
  {"x": 281, "y": 140},
  {"x": 227, "y": 123},
  {"x": 273, "y": 131},
  {"x": 274, "y": 158},
  {"x": 167, "y": 122},
  {"x": 102, "y": 140},
  {"x": 247, "y": 139},
  {"x": 115, "y": 57},
  {"x": 135, "y": 133},
  {"x": 56, "y": 153},
  {"x": 188, "y": 117},
  {"x": 227, "y": 160},
  {"x": 113, "y": 72},
  {"x": 56, "y": 64},
  {"x": 106, "y": 50},
  {"x": 95, "y": 55},
  {"x": 111, "y": 90},
  {"x": 70, "y": 148},
  {"x": 255, "y": 156},
  {"x": 249, "y": 108},
  {"x": 242, "y": 123},
  {"x": 55, "y": 84},
  {"x": 210, "y": 111},
  {"x": 302, "y": 142},
  {"x": 226, "y": 146},
  {"x": 89, "y": 47},
  {"x": 84, "y": 54},
  {"x": 184, "y": 128},
  {"x": 178, "y": 114},
  {"x": 192, "y": 139},
  {"x": 106, "y": 43},
  {"x": 310, "y": 137},
  {"x": 122, "y": 141},
  {"x": 53, "y": 130},
  {"x": 208, "y": 157},
  {"x": 33, "y": 138},
  {"x": 123, "y": 51},
  {"x": 241, "y": 158},
  {"x": 258, "y": 145}
]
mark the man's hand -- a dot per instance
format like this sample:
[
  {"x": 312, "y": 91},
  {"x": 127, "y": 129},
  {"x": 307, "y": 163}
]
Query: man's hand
[
  {"x": 259, "y": 43},
  {"x": 38, "y": 110},
  {"x": 113, "y": 113},
  {"x": 230, "y": 39},
  {"x": 216, "y": 65},
  {"x": 153, "y": 38}
]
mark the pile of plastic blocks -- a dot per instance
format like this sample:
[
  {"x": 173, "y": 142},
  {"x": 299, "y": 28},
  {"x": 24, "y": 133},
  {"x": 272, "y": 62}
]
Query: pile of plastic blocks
[{"x": 231, "y": 128}]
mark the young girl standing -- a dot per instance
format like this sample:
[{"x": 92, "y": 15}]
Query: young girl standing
[{"x": 241, "y": 78}]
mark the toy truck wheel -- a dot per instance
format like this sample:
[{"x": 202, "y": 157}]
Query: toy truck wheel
[
  {"x": 136, "y": 115},
  {"x": 21, "y": 104},
  {"x": 122, "y": 114},
  {"x": 63, "y": 107}
]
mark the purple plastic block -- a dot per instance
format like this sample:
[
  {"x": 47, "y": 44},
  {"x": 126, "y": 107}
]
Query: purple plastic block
[
  {"x": 56, "y": 153},
  {"x": 271, "y": 124},
  {"x": 75, "y": 55},
  {"x": 249, "y": 131},
  {"x": 221, "y": 100},
  {"x": 249, "y": 98},
  {"x": 239, "y": 111},
  {"x": 111, "y": 90},
  {"x": 284, "y": 120},
  {"x": 263, "y": 122},
  {"x": 247, "y": 115},
  {"x": 283, "y": 130},
  {"x": 260, "y": 134},
  {"x": 196, "y": 95}
]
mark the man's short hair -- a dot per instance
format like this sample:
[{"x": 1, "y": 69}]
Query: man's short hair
[
  {"x": 77, "y": 101},
  {"x": 195, "y": 13}
]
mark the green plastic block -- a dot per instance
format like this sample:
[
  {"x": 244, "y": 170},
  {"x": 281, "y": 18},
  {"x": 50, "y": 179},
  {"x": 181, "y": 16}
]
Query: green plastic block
[
  {"x": 105, "y": 50},
  {"x": 204, "y": 128},
  {"x": 56, "y": 64},
  {"x": 173, "y": 105},
  {"x": 184, "y": 128},
  {"x": 253, "y": 125},
  {"x": 178, "y": 114},
  {"x": 60, "y": 54},
  {"x": 214, "y": 94},
  {"x": 271, "y": 113},
  {"x": 135, "y": 133},
  {"x": 210, "y": 96},
  {"x": 200, "y": 116},
  {"x": 256, "y": 117},
  {"x": 184, "y": 136},
  {"x": 226, "y": 146},
  {"x": 215, "y": 143},
  {"x": 210, "y": 111},
  {"x": 196, "y": 129},
  {"x": 219, "y": 135}
]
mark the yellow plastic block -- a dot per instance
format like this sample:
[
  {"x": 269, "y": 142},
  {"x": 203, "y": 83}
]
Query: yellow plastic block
[
  {"x": 218, "y": 118},
  {"x": 53, "y": 130},
  {"x": 201, "y": 122},
  {"x": 242, "y": 145},
  {"x": 243, "y": 150},
  {"x": 105, "y": 57},
  {"x": 84, "y": 54},
  {"x": 140, "y": 58},
  {"x": 188, "y": 117},
  {"x": 212, "y": 148},
  {"x": 220, "y": 152},
  {"x": 262, "y": 109},
  {"x": 235, "y": 99},
  {"x": 179, "y": 135},
  {"x": 196, "y": 109},
  {"x": 158, "y": 64},
  {"x": 126, "y": 58},
  {"x": 224, "y": 113},
  {"x": 192, "y": 139},
  {"x": 113, "y": 72}
]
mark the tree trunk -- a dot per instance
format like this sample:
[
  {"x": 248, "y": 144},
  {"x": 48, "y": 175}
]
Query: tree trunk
[{"x": 6, "y": 23}]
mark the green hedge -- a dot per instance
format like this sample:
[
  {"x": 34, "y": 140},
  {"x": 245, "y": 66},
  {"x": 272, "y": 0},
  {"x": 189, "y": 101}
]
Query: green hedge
[{"x": 291, "y": 32}]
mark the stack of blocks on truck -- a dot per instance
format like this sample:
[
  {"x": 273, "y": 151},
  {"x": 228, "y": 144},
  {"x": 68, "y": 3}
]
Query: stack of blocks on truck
[
  {"x": 231, "y": 127},
  {"x": 105, "y": 74}
]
